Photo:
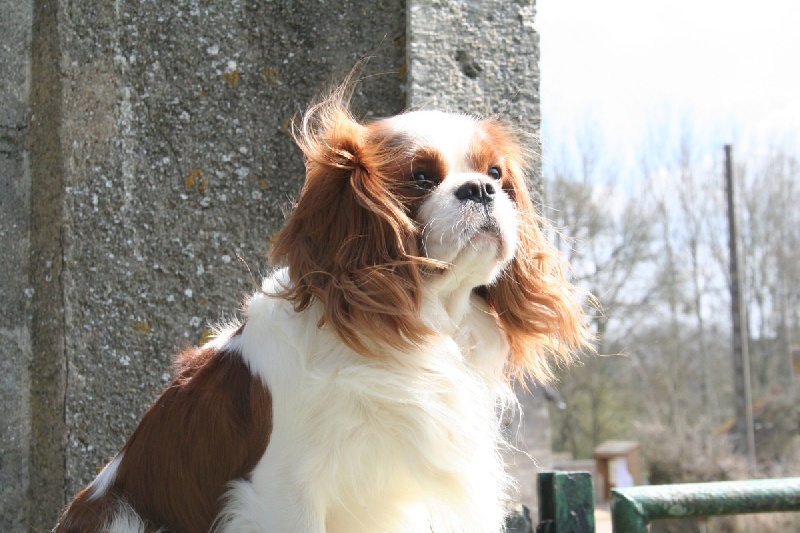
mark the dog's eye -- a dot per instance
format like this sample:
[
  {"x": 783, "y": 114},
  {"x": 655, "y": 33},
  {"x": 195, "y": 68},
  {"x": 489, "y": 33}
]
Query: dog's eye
[
  {"x": 423, "y": 179},
  {"x": 495, "y": 173}
]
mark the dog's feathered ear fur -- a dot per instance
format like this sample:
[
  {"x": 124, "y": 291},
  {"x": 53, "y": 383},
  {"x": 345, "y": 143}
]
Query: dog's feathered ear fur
[
  {"x": 349, "y": 242},
  {"x": 537, "y": 306}
]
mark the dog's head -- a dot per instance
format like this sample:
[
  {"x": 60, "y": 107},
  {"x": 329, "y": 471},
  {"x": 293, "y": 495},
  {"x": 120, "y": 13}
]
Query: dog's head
[{"x": 392, "y": 205}]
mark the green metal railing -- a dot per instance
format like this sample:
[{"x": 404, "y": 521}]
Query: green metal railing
[
  {"x": 633, "y": 508},
  {"x": 566, "y": 501}
]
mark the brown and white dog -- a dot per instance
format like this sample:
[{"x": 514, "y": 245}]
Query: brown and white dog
[{"x": 363, "y": 389}]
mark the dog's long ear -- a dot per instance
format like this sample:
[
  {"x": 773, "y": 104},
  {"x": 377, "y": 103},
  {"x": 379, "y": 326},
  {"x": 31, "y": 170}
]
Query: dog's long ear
[
  {"x": 349, "y": 242},
  {"x": 537, "y": 306}
]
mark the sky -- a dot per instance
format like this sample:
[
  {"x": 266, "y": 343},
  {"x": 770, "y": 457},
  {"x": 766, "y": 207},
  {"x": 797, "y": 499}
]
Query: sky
[{"x": 619, "y": 67}]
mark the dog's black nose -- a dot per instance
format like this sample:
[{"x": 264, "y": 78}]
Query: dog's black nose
[{"x": 480, "y": 192}]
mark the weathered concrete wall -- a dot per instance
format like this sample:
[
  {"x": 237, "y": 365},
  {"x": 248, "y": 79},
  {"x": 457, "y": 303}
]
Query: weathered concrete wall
[
  {"x": 15, "y": 289},
  {"x": 49, "y": 328},
  {"x": 482, "y": 57},
  {"x": 144, "y": 150}
]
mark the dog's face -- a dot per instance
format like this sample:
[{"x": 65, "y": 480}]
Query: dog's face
[
  {"x": 461, "y": 177},
  {"x": 390, "y": 206}
]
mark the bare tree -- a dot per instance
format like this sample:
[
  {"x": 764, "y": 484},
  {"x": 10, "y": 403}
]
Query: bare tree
[
  {"x": 609, "y": 242},
  {"x": 770, "y": 220},
  {"x": 655, "y": 258}
]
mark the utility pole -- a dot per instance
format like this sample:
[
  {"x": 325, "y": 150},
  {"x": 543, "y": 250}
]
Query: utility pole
[{"x": 745, "y": 436}]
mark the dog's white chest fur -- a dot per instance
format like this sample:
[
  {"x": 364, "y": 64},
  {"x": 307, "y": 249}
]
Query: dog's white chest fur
[{"x": 400, "y": 443}]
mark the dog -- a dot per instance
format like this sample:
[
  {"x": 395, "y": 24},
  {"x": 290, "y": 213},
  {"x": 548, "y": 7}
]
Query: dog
[{"x": 363, "y": 388}]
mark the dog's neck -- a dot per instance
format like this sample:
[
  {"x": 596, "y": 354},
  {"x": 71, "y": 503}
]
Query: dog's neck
[{"x": 449, "y": 297}]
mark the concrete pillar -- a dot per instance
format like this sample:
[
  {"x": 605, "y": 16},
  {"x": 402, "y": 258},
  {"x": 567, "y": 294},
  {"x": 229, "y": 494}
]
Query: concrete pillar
[{"x": 144, "y": 163}]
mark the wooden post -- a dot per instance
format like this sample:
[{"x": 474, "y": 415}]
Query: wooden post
[{"x": 745, "y": 438}]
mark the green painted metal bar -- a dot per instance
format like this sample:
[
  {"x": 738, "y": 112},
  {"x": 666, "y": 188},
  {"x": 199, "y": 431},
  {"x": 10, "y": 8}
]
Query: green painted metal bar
[
  {"x": 633, "y": 508},
  {"x": 566, "y": 502}
]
